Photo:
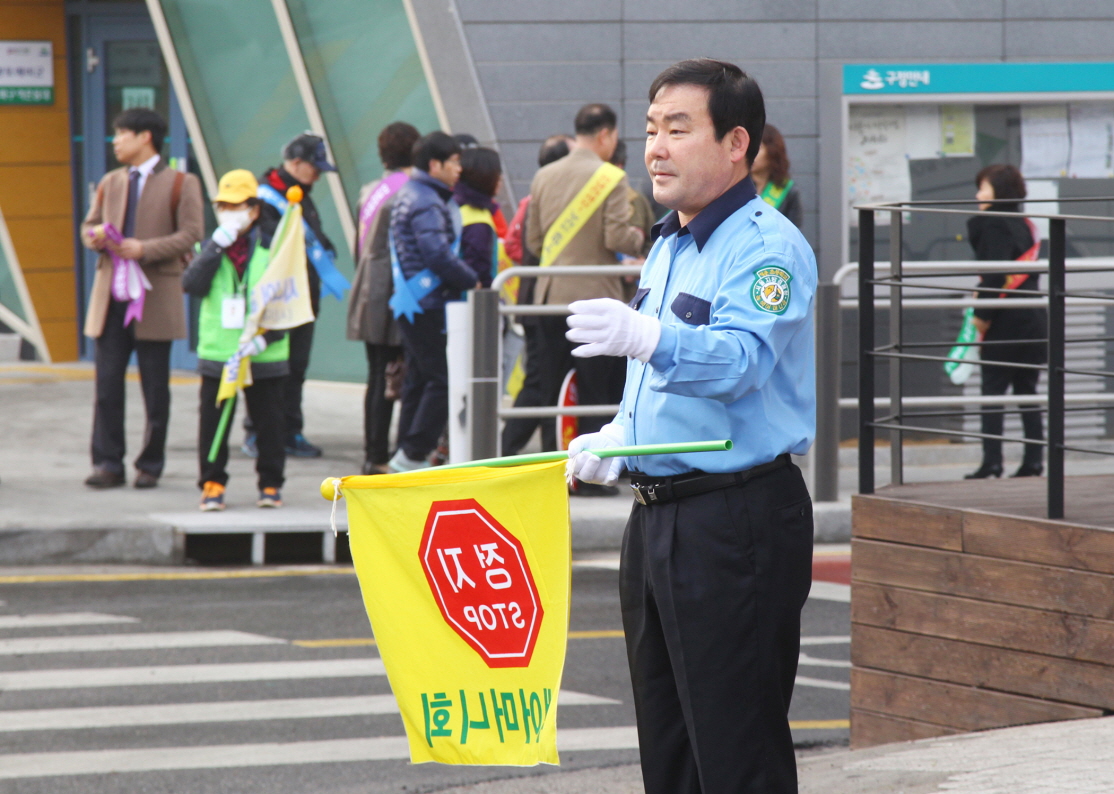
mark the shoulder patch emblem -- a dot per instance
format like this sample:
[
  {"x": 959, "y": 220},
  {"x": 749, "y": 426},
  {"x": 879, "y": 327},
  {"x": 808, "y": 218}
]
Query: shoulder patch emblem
[{"x": 770, "y": 291}]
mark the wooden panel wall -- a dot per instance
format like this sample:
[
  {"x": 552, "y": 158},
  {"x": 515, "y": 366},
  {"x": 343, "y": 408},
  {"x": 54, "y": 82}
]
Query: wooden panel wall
[
  {"x": 965, "y": 620},
  {"x": 35, "y": 180}
]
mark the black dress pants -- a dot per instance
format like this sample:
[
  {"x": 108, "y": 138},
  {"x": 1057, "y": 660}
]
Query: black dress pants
[
  {"x": 996, "y": 379},
  {"x": 425, "y": 391},
  {"x": 517, "y": 432},
  {"x": 264, "y": 399},
  {"x": 113, "y": 349},
  {"x": 599, "y": 380},
  {"x": 377, "y": 408},
  {"x": 711, "y": 588},
  {"x": 301, "y": 343}
]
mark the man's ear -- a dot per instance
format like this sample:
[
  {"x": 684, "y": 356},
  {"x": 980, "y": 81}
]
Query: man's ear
[
  {"x": 740, "y": 142},
  {"x": 147, "y": 133}
]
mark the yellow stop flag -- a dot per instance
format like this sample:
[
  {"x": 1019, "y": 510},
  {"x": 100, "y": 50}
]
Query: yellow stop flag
[{"x": 465, "y": 574}]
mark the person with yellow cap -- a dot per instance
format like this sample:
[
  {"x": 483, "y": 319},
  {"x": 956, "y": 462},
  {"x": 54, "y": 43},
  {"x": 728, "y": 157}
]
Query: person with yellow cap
[{"x": 222, "y": 274}]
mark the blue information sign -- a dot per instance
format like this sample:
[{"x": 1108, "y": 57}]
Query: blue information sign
[{"x": 976, "y": 78}]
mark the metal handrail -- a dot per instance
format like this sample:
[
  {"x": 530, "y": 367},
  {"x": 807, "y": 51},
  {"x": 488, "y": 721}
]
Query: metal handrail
[
  {"x": 484, "y": 401},
  {"x": 1057, "y": 301},
  {"x": 564, "y": 270}
]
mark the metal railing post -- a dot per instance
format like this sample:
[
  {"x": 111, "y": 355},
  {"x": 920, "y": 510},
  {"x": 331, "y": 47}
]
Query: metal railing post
[
  {"x": 825, "y": 452},
  {"x": 1057, "y": 284},
  {"x": 866, "y": 346},
  {"x": 897, "y": 474},
  {"x": 483, "y": 387}
]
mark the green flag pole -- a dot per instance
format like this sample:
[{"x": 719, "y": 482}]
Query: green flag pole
[
  {"x": 225, "y": 416},
  {"x": 612, "y": 452},
  {"x": 328, "y": 491}
]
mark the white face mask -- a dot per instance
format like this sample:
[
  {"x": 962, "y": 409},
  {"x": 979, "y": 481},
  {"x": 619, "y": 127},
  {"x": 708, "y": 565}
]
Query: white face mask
[{"x": 234, "y": 219}]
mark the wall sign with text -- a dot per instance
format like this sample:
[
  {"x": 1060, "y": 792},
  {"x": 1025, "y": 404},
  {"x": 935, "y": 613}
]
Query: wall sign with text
[{"x": 26, "y": 73}]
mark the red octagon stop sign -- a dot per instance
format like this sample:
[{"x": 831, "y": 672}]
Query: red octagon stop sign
[{"x": 481, "y": 581}]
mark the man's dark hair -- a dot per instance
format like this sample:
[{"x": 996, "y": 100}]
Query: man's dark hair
[
  {"x": 437, "y": 146},
  {"x": 1007, "y": 181},
  {"x": 396, "y": 145},
  {"x": 480, "y": 169},
  {"x": 466, "y": 140},
  {"x": 592, "y": 118},
  {"x": 142, "y": 120},
  {"x": 554, "y": 148},
  {"x": 734, "y": 98},
  {"x": 619, "y": 156}
]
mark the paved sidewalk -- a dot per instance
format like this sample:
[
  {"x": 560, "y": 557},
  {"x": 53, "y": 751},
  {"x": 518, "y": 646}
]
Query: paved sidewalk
[
  {"x": 1074, "y": 757},
  {"x": 47, "y": 515}
]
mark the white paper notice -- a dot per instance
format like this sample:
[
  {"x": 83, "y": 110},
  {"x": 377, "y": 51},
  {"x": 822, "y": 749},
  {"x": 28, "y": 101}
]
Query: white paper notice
[
  {"x": 1045, "y": 141},
  {"x": 1037, "y": 189},
  {"x": 922, "y": 132},
  {"x": 877, "y": 167},
  {"x": 1092, "y": 140}
]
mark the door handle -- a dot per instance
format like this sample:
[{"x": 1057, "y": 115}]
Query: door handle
[{"x": 91, "y": 60}]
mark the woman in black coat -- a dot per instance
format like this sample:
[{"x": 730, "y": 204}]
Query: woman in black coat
[
  {"x": 770, "y": 173},
  {"x": 1001, "y": 188}
]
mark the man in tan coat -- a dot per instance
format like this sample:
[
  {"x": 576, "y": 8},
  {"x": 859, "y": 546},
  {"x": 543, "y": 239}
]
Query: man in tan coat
[
  {"x": 604, "y": 231},
  {"x": 159, "y": 213}
]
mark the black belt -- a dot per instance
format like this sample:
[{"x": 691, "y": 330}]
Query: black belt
[{"x": 658, "y": 490}]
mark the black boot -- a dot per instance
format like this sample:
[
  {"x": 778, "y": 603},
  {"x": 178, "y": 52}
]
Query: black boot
[
  {"x": 984, "y": 471},
  {"x": 1029, "y": 469}
]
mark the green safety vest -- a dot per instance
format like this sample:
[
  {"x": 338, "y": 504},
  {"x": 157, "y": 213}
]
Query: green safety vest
[
  {"x": 216, "y": 343},
  {"x": 774, "y": 195}
]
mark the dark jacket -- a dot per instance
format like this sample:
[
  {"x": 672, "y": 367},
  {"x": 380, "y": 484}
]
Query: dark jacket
[
  {"x": 994, "y": 237},
  {"x": 477, "y": 240},
  {"x": 791, "y": 206},
  {"x": 422, "y": 227},
  {"x": 269, "y": 217},
  {"x": 197, "y": 280}
]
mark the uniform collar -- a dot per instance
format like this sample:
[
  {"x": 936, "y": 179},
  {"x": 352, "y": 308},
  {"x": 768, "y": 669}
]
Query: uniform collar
[{"x": 709, "y": 219}]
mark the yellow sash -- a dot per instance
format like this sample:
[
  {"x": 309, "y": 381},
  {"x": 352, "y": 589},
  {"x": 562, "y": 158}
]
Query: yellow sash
[{"x": 580, "y": 209}]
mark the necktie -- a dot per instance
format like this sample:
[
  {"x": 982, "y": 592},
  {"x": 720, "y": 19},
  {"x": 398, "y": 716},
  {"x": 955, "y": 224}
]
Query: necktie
[{"x": 133, "y": 200}]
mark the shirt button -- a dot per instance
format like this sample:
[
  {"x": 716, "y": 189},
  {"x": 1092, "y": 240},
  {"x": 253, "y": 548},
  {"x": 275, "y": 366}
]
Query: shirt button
[
  {"x": 629, "y": 414},
  {"x": 758, "y": 213},
  {"x": 688, "y": 315}
]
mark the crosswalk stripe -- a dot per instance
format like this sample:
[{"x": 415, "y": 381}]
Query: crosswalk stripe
[
  {"x": 94, "y": 762},
  {"x": 812, "y": 661},
  {"x": 844, "y": 639},
  {"x": 189, "y": 674},
  {"x": 821, "y": 683},
  {"x": 132, "y": 642},
  {"x": 61, "y": 619},
  {"x": 831, "y": 591},
  {"x": 227, "y": 711}
]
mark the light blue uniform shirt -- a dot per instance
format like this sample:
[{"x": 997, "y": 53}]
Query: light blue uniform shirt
[{"x": 734, "y": 294}]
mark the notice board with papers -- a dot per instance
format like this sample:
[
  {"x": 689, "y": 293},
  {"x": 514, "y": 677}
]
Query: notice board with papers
[{"x": 922, "y": 132}]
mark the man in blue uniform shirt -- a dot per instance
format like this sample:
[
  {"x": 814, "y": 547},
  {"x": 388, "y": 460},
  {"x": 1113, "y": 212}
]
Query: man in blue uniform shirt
[{"x": 717, "y": 556}]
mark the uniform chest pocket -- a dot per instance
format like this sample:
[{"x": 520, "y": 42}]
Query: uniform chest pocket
[
  {"x": 691, "y": 309},
  {"x": 636, "y": 301}
]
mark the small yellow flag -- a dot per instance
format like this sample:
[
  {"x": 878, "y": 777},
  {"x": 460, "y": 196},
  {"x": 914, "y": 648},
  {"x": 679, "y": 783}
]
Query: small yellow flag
[
  {"x": 465, "y": 575},
  {"x": 235, "y": 375}
]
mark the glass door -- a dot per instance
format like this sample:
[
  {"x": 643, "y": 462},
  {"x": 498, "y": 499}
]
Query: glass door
[{"x": 124, "y": 68}]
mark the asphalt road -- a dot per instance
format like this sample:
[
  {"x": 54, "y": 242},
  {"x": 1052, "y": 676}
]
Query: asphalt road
[{"x": 138, "y": 674}]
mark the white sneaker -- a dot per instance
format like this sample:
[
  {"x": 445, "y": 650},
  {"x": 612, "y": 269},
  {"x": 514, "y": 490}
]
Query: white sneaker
[{"x": 400, "y": 463}]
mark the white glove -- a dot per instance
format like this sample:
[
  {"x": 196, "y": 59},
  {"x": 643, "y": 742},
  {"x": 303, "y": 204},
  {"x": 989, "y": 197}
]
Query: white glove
[
  {"x": 588, "y": 467},
  {"x": 226, "y": 235},
  {"x": 254, "y": 346},
  {"x": 611, "y": 328}
]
